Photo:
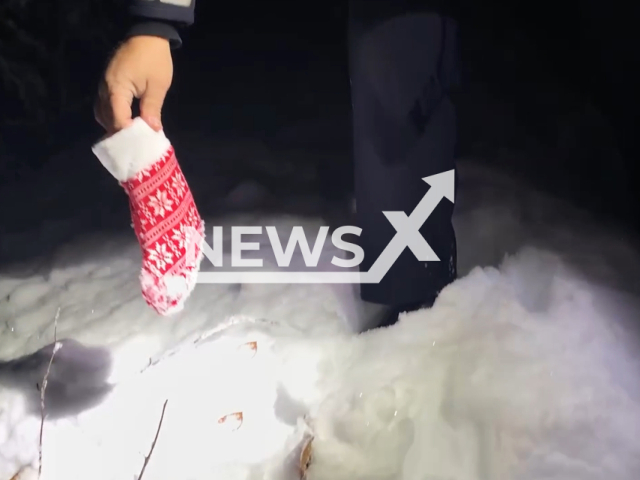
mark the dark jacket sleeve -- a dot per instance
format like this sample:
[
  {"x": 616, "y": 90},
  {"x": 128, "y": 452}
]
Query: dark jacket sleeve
[{"x": 161, "y": 18}]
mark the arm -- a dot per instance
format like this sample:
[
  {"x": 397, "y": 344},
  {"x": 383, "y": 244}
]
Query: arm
[{"x": 161, "y": 18}]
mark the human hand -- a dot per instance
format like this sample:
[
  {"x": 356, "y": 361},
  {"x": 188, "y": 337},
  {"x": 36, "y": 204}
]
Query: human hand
[{"x": 141, "y": 68}]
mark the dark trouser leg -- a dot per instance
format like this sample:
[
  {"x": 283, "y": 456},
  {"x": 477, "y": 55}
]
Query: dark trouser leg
[{"x": 404, "y": 129}]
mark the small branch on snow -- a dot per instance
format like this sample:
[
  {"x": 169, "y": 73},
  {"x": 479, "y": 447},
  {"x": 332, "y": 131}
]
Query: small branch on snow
[
  {"x": 43, "y": 388},
  {"x": 153, "y": 445}
]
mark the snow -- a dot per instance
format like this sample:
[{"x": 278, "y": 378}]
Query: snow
[{"x": 525, "y": 368}]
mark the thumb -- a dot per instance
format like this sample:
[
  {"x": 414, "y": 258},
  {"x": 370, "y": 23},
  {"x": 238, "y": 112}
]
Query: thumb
[{"x": 151, "y": 105}]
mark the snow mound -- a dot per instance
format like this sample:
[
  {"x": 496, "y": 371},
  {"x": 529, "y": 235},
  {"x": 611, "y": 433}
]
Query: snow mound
[{"x": 519, "y": 372}]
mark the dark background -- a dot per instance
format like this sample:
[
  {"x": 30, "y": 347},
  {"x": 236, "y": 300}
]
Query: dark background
[{"x": 550, "y": 89}]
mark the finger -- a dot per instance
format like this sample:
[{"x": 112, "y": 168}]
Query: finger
[
  {"x": 99, "y": 111},
  {"x": 151, "y": 104},
  {"x": 104, "y": 118},
  {"x": 104, "y": 111},
  {"x": 120, "y": 101},
  {"x": 98, "y": 115}
]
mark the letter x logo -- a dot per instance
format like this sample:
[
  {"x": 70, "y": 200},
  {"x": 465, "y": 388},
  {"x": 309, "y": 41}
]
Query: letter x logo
[{"x": 408, "y": 227}]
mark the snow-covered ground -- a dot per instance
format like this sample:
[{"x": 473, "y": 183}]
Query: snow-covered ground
[{"x": 527, "y": 367}]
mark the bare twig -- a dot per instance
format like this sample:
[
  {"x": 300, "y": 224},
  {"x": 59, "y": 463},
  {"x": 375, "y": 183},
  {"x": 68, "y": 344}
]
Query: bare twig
[
  {"x": 43, "y": 388},
  {"x": 153, "y": 445}
]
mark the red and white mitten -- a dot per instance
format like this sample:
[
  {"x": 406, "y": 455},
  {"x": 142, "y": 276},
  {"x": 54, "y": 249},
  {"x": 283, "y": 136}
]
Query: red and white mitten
[{"x": 163, "y": 213}]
